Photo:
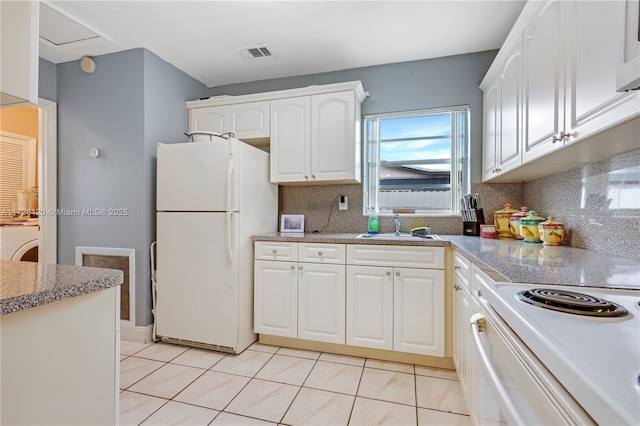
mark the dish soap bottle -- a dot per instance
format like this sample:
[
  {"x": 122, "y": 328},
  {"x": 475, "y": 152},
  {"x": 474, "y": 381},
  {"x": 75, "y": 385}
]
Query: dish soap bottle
[{"x": 374, "y": 225}]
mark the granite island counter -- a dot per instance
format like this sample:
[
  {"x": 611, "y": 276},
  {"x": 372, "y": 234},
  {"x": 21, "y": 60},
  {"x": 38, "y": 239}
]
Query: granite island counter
[{"x": 59, "y": 344}]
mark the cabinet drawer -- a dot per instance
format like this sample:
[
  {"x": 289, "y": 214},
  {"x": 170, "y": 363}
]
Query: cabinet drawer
[
  {"x": 396, "y": 256},
  {"x": 321, "y": 253},
  {"x": 478, "y": 279},
  {"x": 267, "y": 250},
  {"x": 461, "y": 268}
]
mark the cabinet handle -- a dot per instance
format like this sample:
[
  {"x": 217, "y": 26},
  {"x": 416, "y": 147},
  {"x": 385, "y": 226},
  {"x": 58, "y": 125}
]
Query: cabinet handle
[
  {"x": 319, "y": 253},
  {"x": 300, "y": 267},
  {"x": 564, "y": 135},
  {"x": 306, "y": 177},
  {"x": 293, "y": 268},
  {"x": 456, "y": 267},
  {"x": 498, "y": 170},
  {"x": 313, "y": 176},
  {"x": 456, "y": 287},
  {"x": 555, "y": 139},
  {"x": 479, "y": 293},
  {"x": 560, "y": 137},
  {"x": 388, "y": 273},
  {"x": 397, "y": 274},
  {"x": 275, "y": 251}
]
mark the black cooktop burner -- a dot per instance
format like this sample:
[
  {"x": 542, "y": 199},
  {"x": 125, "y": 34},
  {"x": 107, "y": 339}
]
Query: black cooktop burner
[{"x": 571, "y": 302}]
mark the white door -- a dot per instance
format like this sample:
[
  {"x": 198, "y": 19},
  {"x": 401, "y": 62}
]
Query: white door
[
  {"x": 195, "y": 300},
  {"x": 249, "y": 120},
  {"x": 209, "y": 119},
  {"x": 418, "y": 311},
  {"x": 193, "y": 176},
  {"x": 543, "y": 80},
  {"x": 276, "y": 298},
  {"x": 290, "y": 139},
  {"x": 333, "y": 137},
  {"x": 321, "y": 302},
  {"x": 370, "y": 307},
  {"x": 510, "y": 106},
  {"x": 490, "y": 132}
]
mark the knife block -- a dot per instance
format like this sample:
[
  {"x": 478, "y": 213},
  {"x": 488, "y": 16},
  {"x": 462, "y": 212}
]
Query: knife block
[{"x": 471, "y": 228}]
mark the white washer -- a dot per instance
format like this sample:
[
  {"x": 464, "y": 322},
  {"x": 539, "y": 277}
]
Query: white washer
[{"x": 16, "y": 241}]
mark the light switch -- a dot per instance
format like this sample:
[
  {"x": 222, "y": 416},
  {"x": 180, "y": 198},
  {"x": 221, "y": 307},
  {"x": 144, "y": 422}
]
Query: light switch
[{"x": 343, "y": 203}]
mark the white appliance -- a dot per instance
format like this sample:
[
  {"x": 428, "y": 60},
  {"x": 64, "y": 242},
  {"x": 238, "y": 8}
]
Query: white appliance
[
  {"x": 211, "y": 198},
  {"x": 571, "y": 368},
  {"x": 16, "y": 241}
]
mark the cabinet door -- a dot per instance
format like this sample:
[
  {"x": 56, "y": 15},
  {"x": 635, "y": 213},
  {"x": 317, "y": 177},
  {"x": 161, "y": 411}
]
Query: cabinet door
[
  {"x": 209, "y": 119},
  {"x": 509, "y": 109},
  {"x": 418, "y": 311},
  {"x": 461, "y": 336},
  {"x": 594, "y": 104},
  {"x": 370, "y": 307},
  {"x": 290, "y": 139},
  {"x": 335, "y": 153},
  {"x": 321, "y": 302},
  {"x": 490, "y": 132},
  {"x": 543, "y": 80},
  {"x": 249, "y": 120},
  {"x": 276, "y": 298}
]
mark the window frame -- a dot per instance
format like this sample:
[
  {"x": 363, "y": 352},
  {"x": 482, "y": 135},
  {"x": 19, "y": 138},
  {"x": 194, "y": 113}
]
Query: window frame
[{"x": 459, "y": 158}]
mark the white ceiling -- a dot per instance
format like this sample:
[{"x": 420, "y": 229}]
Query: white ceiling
[{"x": 306, "y": 37}]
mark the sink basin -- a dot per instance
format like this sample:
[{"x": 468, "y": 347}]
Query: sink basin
[{"x": 392, "y": 236}]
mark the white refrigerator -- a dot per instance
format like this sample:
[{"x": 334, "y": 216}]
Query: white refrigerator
[{"x": 211, "y": 198}]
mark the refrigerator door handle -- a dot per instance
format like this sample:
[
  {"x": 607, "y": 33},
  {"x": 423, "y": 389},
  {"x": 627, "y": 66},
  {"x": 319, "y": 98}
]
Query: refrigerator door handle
[
  {"x": 230, "y": 166},
  {"x": 232, "y": 277}
]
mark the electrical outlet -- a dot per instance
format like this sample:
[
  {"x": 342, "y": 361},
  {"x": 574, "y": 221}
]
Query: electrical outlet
[{"x": 343, "y": 203}]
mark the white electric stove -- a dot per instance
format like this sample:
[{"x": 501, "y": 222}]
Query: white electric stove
[{"x": 595, "y": 357}]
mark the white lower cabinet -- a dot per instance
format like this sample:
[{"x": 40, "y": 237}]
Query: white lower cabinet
[
  {"x": 276, "y": 298},
  {"x": 304, "y": 300},
  {"x": 370, "y": 307},
  {"x": 321, "y": 298},
  {"x": 386, "y": 297},
  {"x": 396, "y": 308}
]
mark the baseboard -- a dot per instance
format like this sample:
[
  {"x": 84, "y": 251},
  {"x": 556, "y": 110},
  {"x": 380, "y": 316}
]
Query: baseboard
[{"x": 133, "y": 333}]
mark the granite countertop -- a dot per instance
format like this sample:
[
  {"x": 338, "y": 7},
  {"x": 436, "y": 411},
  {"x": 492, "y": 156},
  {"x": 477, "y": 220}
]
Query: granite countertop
[
  {"x": 25, "y": 285},
  {"x": 513, "y": 260}
]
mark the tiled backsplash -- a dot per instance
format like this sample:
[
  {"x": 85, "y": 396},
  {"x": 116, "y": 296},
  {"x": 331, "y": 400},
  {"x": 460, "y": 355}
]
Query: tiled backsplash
[
  {"x": 599, "y": 203},
  {"x": 314, "y": 202}
]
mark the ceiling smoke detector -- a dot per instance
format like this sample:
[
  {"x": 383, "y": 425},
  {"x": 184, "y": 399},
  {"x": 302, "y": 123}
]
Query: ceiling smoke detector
[{"x": 253, "y": 52}]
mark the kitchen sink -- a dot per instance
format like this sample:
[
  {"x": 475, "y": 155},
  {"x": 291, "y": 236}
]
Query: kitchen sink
[{"x": 393, "y": 236}]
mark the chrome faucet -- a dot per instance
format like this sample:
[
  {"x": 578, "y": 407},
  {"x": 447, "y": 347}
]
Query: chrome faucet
[{"x": 396, "y": 219}]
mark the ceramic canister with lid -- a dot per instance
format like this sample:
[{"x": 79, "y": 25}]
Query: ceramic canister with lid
[
  {"x": 501, "y": 221},
  {"x": 529, "y": 227},
  {"x": 514, "y": 221},
  {"x": 551, "y": 232}
]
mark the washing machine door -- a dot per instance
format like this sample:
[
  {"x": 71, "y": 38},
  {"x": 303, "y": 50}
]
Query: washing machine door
[{"x": 28, "y": 252}]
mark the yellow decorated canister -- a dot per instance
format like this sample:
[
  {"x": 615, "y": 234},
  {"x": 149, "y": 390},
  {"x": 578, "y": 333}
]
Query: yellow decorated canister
[
  {"x": 551, "y": 232},
  {"x": 529, "y": 227},
  {"x": 514, "y": 222},
  {"x": 501, "y": 221}
]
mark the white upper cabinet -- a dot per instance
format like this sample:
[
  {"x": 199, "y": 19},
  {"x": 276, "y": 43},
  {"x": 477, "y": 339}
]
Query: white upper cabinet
[
  {"x": 568, "y": 85},
  {"x": 19, "y": 21},
  {"x": 316, "y": 139},
  {"x": 543, "y": 89},
  {"x": 628, "y": 33},
  {"x": 290, "y": 139},
  {"x": 209, "y": 119},
  {"x": 250, "y": 120},
  {"x": 246, "y": 120},
  {"x": 312, "y": 133}
]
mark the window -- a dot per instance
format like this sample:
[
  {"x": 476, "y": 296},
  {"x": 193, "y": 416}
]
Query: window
[
  {"x": 416, "y": 161},
  {"x": 17, "y": 170}
]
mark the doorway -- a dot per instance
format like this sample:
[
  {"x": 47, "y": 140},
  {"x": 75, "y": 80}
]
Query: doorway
[{"x": 38, "y": 121}]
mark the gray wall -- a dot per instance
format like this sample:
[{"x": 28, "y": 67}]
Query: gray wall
[
  {"x": 47, "y": 84},
  {"x": 132, "y": 101}
]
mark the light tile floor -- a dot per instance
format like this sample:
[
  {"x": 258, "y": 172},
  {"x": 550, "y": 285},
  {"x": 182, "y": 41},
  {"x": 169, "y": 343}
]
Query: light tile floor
[{"x": 163, "y": 384}]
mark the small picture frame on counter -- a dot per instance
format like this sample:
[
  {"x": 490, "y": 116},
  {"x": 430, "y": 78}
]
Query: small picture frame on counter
[{"x": 292, "y": 223}]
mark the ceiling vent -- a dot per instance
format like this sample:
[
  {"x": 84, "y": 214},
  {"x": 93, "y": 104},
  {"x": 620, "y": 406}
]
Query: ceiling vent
[{"x": 253, "y": 52}]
